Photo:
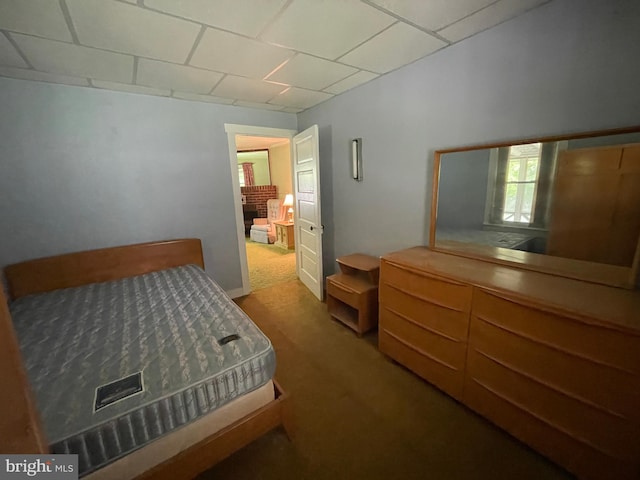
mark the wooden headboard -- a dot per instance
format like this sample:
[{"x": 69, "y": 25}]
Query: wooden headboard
[
  {"x": 92, "y": 266},
  {"x": 20, "y": 426}
]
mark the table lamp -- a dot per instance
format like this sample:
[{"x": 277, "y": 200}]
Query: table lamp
[{"x": 288, "y": 202}]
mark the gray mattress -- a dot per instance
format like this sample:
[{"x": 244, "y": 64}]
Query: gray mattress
[
  {"x": 491, "y": 238},
  {"x": 165, "y": 324}
]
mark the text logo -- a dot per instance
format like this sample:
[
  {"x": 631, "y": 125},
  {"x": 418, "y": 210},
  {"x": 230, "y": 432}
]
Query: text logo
[{"x": 50, "y": 467}]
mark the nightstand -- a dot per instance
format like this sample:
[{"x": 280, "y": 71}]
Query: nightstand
[
  {"x": 284, "y": 235},
  {"x": 352, "y": 295}
]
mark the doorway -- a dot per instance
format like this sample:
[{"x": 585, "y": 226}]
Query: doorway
[
  {"x": 306, "y": 227},
  {"x": 277, "y": 143},
  {"x": 264, "y": 172}
]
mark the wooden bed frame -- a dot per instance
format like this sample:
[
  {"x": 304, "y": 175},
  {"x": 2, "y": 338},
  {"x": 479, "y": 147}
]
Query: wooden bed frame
[{"x": 21, "y": 431}]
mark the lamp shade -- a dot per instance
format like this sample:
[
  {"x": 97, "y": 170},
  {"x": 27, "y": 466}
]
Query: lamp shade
[{"x": 288, "y": 200}]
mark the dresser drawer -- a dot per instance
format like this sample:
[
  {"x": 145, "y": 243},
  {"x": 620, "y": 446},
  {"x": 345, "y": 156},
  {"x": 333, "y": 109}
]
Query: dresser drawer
[
  {"x": 555, "y": 388},
  {"x": 491, "y": 395},
  {"x": 342, "y": 292},
  {"x": 601, "y": 387},
  {"x": 440, "y": 348},
  {"x": 567, "y": 387},
  {"x": 443, "y": 320},
  {"x": 448, "y": 378},
  {"x": 599, "y": 344},
  {"x": 429, "y": 288}
]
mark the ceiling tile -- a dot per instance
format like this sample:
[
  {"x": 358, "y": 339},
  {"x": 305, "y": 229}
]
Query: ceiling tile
[
  {"x": 126, "y": 87},
  {"x": 311, "y": 72},
  {"x": 130, "y": 29},
  {"x": 326, "y": 28},
  {"x": 247, "y": 18},
  {"x": 69, "y": 59},
  {"x": 292, "y": 110},
  {"x": 231, "y": 53},
  {"x": 399, "y": 45},
  {"x": 42, "y": 77},
  {"x": 9, "y": 56},
  {"x": 434, "y": 14},
  {"x": 489, "y": 17},
  {"x": 247, "y": 89},
  {"x": 262, "y": 106},
  {"x": 300, "y": 98},
  {"x": 178, "y": 77},
  {"x": 350, "y": 82},
  {"x": 194, "y": 97},
  {"x": 36, "y": 17}
]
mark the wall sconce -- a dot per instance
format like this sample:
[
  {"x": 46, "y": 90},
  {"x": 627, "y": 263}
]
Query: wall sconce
[
  {"x": 288, "y": 202},
  {"x": 356, "y": 159}
]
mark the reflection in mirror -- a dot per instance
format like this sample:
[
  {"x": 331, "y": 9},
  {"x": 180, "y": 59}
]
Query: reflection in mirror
[
  {"x": 253, "y": 168},
  {"x": 574, "y": 198}
]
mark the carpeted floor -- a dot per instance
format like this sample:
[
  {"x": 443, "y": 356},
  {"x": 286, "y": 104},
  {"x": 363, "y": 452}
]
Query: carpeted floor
[
  {"x": 269, "y": 265},
  {"x": 361, "y": 416}
]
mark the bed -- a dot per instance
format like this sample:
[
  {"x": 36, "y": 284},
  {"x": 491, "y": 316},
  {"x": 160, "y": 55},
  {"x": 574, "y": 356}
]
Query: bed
[{"x": 156, "y": 369}]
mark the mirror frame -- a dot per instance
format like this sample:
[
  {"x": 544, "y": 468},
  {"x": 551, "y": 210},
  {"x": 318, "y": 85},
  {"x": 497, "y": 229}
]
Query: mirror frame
[{"x": 613, "y": 275}]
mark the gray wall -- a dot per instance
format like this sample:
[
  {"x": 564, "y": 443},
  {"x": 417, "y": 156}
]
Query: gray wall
[
  {"x": 462, "y": 189},
  {"x": 568, "y": 66},
  {"x": 83, "y": 168}
]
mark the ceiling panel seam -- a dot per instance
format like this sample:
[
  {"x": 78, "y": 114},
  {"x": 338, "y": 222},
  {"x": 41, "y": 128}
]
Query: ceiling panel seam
[
  {"x": 362, "y": 43},
  {"x": 404, "y": 20},
  {"x": 67, "y": 18},
  {"x": 17, "y": 48},
  {"x": 341, "y": 80},
  {"x": 218, "y": 83},
  {"x": 134, "y": 74},
  {"x": 272, "y": 21},
  {"x": 469, "y": 15},
  {"x": 196, "y": 43}
]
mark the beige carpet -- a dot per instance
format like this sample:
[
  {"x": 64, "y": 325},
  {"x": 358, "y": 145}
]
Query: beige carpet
[
  {"x": 269, "y": 265},
  {"x": 360, "y": 415}
]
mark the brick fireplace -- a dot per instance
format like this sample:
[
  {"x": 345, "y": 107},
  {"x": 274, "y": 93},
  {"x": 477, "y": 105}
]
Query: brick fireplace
[{"x": 258, "y": 196}]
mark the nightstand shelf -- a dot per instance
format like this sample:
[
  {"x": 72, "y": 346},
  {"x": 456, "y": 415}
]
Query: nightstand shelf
[{"x": 352, "y": 295}]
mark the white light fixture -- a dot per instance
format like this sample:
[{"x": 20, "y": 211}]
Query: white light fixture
[
  {"x": 288, "y": 202},
  {"x": 356, "y": 159}
]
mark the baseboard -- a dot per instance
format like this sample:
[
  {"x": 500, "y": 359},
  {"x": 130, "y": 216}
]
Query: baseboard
[{"x": 236, "y": 292}]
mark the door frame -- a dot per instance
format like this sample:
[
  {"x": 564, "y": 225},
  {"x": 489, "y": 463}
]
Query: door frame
[{"x": 254, "y": 131}]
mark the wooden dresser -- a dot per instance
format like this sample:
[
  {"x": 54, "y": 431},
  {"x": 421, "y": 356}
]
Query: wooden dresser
[{"x": 554, "y": 361}]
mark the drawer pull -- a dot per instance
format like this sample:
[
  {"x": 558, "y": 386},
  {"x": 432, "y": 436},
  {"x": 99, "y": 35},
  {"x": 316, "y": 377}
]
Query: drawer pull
[
  {"x": 420, "y": 273},
  {"x": 544, "y": 420},
  {"x": 551, "y": 386},
  {"x": 343, "y": 288},
  {"x": 425, "y": 299},
  {"x": 550, "y": 345},
  {"x": 420, "y": 325},
  {"x": 419, "y": 350}
]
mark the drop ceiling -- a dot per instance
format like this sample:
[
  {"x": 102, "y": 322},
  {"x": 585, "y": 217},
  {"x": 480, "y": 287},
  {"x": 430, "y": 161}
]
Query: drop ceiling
[{"x": 285, "y": 55}]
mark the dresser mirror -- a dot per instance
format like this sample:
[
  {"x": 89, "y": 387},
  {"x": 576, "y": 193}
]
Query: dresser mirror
[{"x": 563, "y": 205}]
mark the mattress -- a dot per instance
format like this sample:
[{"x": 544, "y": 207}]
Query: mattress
[
  {"x": 154, "y": 453},
  {"x": 491, "y": 238},
  {"x": 194, "y": 349}
]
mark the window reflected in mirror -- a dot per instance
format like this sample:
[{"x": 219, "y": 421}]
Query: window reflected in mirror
[
  {"x": 575, "y": 198},
  {"x": 254, "y": 168}
]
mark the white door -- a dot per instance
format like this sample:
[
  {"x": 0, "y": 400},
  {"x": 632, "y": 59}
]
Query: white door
[{"x": 308, "y": 224}]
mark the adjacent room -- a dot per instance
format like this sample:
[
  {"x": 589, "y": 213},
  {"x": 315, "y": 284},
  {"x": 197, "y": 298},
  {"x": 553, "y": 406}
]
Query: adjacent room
[
  {"x": 264, "y": 173},
  {"x": 329, "y": 239}
]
